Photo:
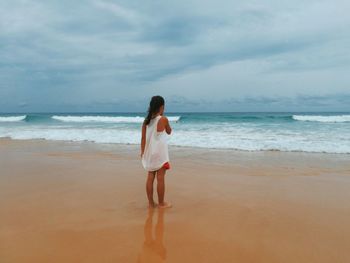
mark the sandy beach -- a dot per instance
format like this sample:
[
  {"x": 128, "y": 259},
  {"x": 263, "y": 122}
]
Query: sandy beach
[{"x": 86, "y": 202}]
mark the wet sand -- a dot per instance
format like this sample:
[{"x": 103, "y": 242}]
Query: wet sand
[{"x": 84, "y": 202}]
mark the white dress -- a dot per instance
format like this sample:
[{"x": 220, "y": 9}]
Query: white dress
[{"x": 156, "y": 153}]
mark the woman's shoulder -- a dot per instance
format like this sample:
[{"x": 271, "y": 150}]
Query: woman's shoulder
[{"x": 163, "y": 118}]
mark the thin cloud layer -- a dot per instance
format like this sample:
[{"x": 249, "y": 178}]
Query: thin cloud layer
[{"x": 64, "y": 55}]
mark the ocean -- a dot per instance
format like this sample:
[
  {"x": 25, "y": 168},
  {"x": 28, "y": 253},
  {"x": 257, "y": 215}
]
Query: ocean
[{"x": 300, "y": 132}]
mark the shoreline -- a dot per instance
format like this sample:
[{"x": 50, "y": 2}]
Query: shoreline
[
  {"x": 86, "y": 202},
  {"x": 228, "y": 150}
]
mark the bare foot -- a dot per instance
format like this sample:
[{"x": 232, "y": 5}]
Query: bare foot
[
  {"x": 152, "y": 205},
  {"x": 165, "y": 205}
]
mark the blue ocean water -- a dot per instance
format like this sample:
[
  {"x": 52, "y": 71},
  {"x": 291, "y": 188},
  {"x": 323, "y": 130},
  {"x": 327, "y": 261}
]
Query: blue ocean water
[{"x": 304, "y": 132}]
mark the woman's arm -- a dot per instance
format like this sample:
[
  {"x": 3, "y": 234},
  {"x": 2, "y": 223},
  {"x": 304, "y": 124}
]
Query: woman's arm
[
  {"x": 143, "y": 139},
  {"x": 167, "y": 127},
  {"x": 163, "y": 124}
]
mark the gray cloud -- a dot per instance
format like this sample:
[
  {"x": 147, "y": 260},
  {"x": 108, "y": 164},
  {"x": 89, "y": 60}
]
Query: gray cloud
[{"x": 66, "y": 53}]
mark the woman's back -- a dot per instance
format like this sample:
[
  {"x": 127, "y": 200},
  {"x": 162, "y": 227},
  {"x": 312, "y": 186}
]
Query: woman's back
[{"x": 156, "y": 148}]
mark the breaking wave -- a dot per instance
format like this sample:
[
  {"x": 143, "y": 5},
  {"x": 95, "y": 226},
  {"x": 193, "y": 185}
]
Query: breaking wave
[
  {"x": 107, "y": 119},
  {"x": 317, "y": 118},
  {"x": 12, "y": 118}
]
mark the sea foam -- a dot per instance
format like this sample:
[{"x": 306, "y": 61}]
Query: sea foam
[
  {"x": 12, "y": 118},
  {"x": 238, "y": 138},
  {"x": 336, "y": 118},
  {"x": 260, "y": 132},
  {"x": 107, "y": 119}
]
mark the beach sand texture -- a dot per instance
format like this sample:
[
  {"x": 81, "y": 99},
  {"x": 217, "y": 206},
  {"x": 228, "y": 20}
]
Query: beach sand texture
[{"x": 86, "y": 202}]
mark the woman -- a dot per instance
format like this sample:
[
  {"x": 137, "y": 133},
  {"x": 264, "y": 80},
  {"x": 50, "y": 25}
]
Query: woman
[{"x": 154, "y": 150}]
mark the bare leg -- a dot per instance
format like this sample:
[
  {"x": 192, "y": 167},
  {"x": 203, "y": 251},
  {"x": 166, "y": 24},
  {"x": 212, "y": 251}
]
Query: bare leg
[
  {"x": 149, "y": 188},
  {"x": 161, "y": 188}
]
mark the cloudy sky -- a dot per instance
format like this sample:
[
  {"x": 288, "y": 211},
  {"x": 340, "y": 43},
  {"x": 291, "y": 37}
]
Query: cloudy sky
[{"x": 223, "y": 55}]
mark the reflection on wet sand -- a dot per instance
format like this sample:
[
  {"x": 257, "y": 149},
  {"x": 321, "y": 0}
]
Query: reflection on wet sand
[{"x": 153, "y": 249}]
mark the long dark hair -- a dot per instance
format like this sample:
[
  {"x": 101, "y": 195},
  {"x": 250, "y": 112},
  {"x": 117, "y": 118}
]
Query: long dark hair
[{"x": 154, "y": 106}]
